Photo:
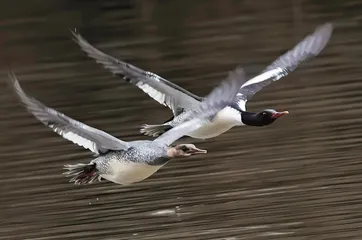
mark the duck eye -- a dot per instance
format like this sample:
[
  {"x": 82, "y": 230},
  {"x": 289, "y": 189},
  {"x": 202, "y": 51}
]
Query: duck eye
[{"x": 184, "y": 148}]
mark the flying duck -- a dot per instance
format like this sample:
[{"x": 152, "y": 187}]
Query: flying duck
[
  {"x": 128, "y": 162},
  {"x": 180, "y": 101}
]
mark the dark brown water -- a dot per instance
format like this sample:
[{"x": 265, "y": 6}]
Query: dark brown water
[{"x": 300, "y": 178}]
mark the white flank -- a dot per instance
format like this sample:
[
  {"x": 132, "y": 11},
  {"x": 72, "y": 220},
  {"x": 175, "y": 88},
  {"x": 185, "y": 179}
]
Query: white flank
[
  {"x": 223, "y": 121},
  {"x": 122, "y": 172}
]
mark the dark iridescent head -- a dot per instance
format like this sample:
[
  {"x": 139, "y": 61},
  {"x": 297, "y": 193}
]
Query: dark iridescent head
[{"x": 262, "y": 118}]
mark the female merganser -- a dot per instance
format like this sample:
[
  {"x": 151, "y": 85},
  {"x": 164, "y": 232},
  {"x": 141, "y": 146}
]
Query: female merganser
[
  {"x": 128, "y": 162},
  {"x": 180, "y": 101}
]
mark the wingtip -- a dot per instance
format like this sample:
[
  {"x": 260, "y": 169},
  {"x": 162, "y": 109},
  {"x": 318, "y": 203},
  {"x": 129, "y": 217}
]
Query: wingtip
[
  {"x": 326, "y": 29},
  {"x": 322, "y": 34},
  {"x": 327, "y": 25},
  {"x": 12, "y": 77},
  {"x": 76, "y": 35},
  {"x": 14, "y": 84},
  {"x": 10, "y": 72},
  {"x": 73, "y": 31},
  {"x": 238, "y": 72},
  {"x": 78, "y": 38}
]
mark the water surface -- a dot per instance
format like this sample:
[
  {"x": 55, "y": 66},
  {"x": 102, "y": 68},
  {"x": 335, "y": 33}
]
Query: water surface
[{"x": 299, "y": 178}]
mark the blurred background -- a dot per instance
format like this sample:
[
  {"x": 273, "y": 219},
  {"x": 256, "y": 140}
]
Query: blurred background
[{"x": 299, "y": 178}]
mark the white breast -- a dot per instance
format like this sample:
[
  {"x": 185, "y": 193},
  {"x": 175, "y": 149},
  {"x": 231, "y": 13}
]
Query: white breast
[
  {"x": 223, "y": 121},
  {"x": 129, "y": 172}
]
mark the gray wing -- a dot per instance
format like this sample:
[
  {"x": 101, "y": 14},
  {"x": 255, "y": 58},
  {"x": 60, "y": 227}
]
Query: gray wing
[
  {"x": 90, "y": 138},
  {"x": 221, "y": 96},
  {"x": 161, "y": 90},
  {"x": 218, "y": 99},
  {"x": 306, "y": 49}
]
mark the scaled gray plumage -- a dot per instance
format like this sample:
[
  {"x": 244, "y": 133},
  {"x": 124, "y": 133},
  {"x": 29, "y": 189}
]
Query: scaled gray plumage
[{"x": 127, "y": 162}]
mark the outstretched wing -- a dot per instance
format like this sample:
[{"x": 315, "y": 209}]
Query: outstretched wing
[
  {"x": 219, "y": 98},
  {"x": 90, "y": 138},
  {"x": 308, "y": 48},
  {"x": 161, "y": 90}
]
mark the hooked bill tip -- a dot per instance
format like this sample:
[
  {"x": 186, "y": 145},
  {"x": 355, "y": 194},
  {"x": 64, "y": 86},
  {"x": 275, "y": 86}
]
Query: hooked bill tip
[{"x": 279, "y": 114}]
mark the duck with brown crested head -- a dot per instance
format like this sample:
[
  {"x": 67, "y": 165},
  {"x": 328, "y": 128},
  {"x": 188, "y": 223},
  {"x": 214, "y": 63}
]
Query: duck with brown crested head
[{"x": 128, "y": 162}]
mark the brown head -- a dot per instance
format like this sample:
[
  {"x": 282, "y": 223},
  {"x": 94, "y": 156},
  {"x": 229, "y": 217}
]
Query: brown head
[{"x": 184, "y": 150}]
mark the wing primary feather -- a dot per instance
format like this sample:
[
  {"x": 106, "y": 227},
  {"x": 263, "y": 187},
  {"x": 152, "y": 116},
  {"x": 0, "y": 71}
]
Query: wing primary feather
[
  {"x": 158, "y": 88},
  {"x": 305, "y": 50},
  {"x": 79, "y": 133}
]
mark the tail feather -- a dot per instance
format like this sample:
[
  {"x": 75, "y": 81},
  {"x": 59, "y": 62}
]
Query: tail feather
[
  {"x": 154, "y": 130},
  {"x": 82, "y": 173}
]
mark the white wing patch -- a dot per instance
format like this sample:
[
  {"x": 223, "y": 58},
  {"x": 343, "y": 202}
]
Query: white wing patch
[
  {"x": 79, "y": 133},
  {"x": 158, "y": 88},
  {"x": 158, "y": 96},
  {"x": 276, "y": 74},
  {"x": 75, "y": 138},
  {"x": 242, "y": 104},
  {"x": 153, "y": 93}
]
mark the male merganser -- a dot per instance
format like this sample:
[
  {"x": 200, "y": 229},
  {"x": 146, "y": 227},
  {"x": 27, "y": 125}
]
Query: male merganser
[
  {"x": 180, "y": 101},
  {"x": 128, "y": 162}
]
